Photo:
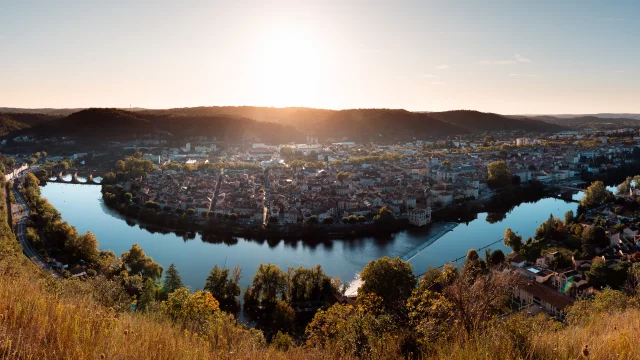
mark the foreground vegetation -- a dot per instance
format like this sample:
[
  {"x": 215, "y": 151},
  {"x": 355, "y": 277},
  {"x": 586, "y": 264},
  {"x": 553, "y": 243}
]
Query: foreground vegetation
[{"x": 447, "y": 314}]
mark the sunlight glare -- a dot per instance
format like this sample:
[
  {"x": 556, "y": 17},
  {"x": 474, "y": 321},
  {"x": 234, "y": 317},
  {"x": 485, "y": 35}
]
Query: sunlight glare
[{"x": 290, "y": 69}]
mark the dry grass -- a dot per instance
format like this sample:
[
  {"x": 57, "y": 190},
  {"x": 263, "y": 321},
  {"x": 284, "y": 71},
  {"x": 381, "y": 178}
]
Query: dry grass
[
  {"x": 37, "y": 325},
  {"x": 608, "y": 336}
]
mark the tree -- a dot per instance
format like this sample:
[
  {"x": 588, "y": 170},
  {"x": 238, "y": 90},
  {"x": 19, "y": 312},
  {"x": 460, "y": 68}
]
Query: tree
[
  {"x": 499, "y": 174},
  {"x": 308, "y": 284},
  {"x": 385, "y": 217},
  {"x": 512, "y": 240},
  {"x": 137, "y": 262},
  {"x": 465, "y": 303},
  {"x": 30, "y": 180},
  {"x": 391, "y": 279},
  {"x": 120, "y": 165},
  {"x": 172, "y": 280},
  {"x": 598, "y": 273},
  {"x": 223, "y": 285},
  {"x": 282, "y": 317},
  {"x": 128, "y": 197},
  {"x": 596, "y": 194},
  {"x": 497, "y": 257},
  {"x": 472, "y": 255},
  {"x": 593, "y": 237},
  {"x": 327, "y": 220},
  {"x": 191, "y": 211},
  {"x": 148, "y": 295},
  {"x": 568, "y": 217},
  {"x": 268, "y": 282},
  {"x": 84, "y": 247},
  {"x": 191, "y": 311}
]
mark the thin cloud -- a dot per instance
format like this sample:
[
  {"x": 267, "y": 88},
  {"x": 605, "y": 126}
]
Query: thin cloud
[
  {"x": 523, "y": 75},
  {"x": 442, "y": 67},
  {"x": 618, "y": 71},
  {"x": 438, "y": 83},
  {"x": 429, "y": 76},
  {"x": 516, "y": 59}
]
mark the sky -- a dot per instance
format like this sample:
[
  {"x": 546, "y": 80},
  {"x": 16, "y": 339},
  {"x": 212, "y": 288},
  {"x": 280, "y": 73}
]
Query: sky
[{"x": 510, "y": 57}]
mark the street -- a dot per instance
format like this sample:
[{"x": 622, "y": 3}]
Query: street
[{"x": 22, "y": 216}]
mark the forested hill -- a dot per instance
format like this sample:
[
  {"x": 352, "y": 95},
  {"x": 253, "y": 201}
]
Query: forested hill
[
  {"x": 590, "y": 121},
  {"x": 383, "y": 125},
  {"x": 107, "y": 124},
  {"x": 273, "y": 125},
  {"x": 477, "y": 122},
  {"x": 13, "y": 122}
]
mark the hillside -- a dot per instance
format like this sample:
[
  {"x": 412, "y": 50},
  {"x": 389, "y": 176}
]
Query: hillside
[
  {"x": 13, "y": 122},
  {"x": 108, "y": 124},
  {"x": 383, "y": 125},
  {"x": 590, "y": 121},
  {"x": 272, "y": 125},
  {"x": 8, "y": 125},
  {"x": 478, "y": 122}
]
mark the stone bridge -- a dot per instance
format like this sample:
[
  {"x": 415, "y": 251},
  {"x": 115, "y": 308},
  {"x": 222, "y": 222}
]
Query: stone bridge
[{"x": 75, "y": 174}]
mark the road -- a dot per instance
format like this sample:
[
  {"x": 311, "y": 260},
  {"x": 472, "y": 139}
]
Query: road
[{"x": 22, "y": 216}]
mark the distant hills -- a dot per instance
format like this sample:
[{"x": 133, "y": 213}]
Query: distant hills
[
  {"x": 282, "y": 125},
  {"x": 596, "y": 121},
  {"x": 108, "y": 124}
]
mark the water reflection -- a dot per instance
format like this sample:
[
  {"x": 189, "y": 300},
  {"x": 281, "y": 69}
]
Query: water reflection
[{"x": 194, "y": 254}]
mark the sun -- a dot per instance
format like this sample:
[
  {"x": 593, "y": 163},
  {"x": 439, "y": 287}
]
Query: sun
[{"x": 291, "y": 68}]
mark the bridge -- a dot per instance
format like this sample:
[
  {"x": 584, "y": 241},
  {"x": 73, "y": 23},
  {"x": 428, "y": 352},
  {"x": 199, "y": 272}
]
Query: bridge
[
  {"x": 566, "y": 190},
  {"x": 76, "y": 174}
]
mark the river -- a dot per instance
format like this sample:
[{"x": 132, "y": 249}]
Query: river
[{"x": 82, "y": 207}]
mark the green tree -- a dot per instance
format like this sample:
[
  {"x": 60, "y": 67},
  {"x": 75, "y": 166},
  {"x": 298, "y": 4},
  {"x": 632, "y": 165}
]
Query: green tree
[
  {"x": 128, "y": 197},
  {"x": 596, "y": 194},
  {"x": 30, "y": 180},
  {"x": 147, "y": 297},
  {"x": 391, "y": 279},
  {"x": 268, "y": 283},
  {"x": 223, "y": 285},
  {"x": 282, "y": 317},
  {"x": 191, "y": 311},
  {"x": 598, "y": 273},
  {"x": 512, "y": 240},
  {"x": 109, "y": 178},
  {"x": 84, "y": 247},
  {"x": 172, "y": 281},
  {"x": 569, "y": 218},
  {"x": 593, "y": 237},
  {"x": 499, "y": 174},
  {"x": 385, "y": 217},
  {"x": 497, "y": 257},
  {"x": 120, "y": 165},
  {"x": 472, "y": 255},
  {"x": 137, "y": 262}
]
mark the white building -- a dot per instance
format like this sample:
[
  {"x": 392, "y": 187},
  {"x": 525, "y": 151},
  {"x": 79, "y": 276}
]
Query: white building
[{"x": 419, "y": 216}]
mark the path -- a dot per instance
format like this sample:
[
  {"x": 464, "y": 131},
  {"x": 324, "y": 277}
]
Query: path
[{"x": 21, "y": 217}]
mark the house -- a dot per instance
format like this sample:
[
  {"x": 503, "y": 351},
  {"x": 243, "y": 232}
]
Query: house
[
  {"x": 517, "y": 260},
  {"x": 528, "y": 292},
  {"x": 419, "y": 216}
]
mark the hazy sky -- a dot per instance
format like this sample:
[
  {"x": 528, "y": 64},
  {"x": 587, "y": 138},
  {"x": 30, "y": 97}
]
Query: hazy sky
[{"x": 501, "y": 56}]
